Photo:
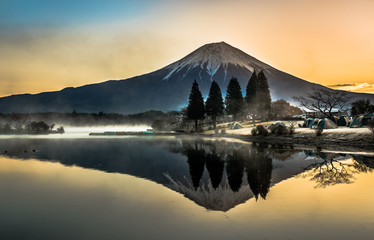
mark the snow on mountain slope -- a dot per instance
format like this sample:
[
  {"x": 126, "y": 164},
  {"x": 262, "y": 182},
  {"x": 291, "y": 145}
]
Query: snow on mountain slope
[{"x": 211, "y": 57}]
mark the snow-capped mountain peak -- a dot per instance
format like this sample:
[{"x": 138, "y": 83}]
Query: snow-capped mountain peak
[
  {"x": 211, "y": 57},
  {"x": 167, "y": 88}
]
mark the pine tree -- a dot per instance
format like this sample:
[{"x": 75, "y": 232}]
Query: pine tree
[
  {"x": 263, "y": 93},
  {"x": 251, "y": 96},
  {"x": 214, "y": 103},
  {"x": 234, "y": 98},
  {"x": 251, "y": 90},
  {"x": 195, "y": 109}
]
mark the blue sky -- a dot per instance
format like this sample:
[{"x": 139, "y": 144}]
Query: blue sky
[{"x": 37, "y": 13}]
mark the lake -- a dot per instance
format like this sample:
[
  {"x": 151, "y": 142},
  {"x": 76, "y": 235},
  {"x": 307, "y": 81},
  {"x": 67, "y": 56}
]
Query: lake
[{"x": 58, "y": 187}]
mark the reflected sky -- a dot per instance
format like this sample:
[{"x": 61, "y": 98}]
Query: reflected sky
[{"x": 57, "y": 192}]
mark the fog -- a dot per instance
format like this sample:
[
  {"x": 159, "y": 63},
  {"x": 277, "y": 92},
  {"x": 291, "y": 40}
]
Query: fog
[{"x": 82, "y": 132}]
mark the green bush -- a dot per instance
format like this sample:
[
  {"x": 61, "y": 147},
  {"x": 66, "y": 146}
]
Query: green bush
[
  {"x": 260, "y": 131},
  {"x": 253, "y": 132},
  {"x": 278, "y": 129}
]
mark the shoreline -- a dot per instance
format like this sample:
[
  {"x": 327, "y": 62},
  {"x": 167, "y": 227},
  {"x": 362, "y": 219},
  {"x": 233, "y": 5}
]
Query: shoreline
[
  {"x": 334, "y": 139},
  {"x": 340, "y": 138},
  {"x": 31, "y": 133}
]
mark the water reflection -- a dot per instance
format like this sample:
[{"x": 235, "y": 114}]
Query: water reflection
[
  {"x": 217, "y": 175},
  {"x": 334, "y": 168},
  {"x": 196, "y": 163},
  {"x": 251, "y": 160},
  {"x": 215, "y": 166},
  {"x": 259, "y": 169}
]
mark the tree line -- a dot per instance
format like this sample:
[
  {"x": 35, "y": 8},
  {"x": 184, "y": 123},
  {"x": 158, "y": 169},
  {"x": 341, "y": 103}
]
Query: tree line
[
  {"x": 20, "y": 126},
  {"x": 255, "y": 105},
  {"x": 74, "y": 118},
  {"x": 255, "y": 161}
]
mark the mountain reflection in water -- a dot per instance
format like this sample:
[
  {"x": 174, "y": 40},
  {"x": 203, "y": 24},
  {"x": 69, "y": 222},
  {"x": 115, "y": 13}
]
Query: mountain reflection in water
[{"x": 217, "y": 175}]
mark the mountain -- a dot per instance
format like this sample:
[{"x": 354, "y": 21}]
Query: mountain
[{"x": 167, "y": 88}]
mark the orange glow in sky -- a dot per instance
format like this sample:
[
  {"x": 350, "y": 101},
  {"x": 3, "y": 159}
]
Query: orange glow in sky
[{"x": 47, "y": 47}]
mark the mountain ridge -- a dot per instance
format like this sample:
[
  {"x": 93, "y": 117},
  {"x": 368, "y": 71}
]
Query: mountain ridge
[{"x": 167, "y": 88}]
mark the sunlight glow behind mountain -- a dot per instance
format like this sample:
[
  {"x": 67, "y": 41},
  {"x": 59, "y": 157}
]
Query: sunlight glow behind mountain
[{"x": 47, "y": 45}]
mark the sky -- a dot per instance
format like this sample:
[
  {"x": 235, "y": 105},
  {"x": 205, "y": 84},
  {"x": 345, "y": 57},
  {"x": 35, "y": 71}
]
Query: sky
[{"x": 49, "y": 45}]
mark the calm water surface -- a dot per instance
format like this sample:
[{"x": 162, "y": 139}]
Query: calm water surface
[{"x": 174, "y": 188}]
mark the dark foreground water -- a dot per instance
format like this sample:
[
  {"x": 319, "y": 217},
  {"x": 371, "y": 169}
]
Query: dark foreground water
[{"x": 171, "y": 188}]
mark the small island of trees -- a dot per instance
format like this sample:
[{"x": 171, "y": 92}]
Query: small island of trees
[{"x": 20, "y": 124}]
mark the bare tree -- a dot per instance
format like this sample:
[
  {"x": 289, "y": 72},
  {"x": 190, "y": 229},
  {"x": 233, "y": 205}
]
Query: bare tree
[
  {"x": 283, "y": 109},
  {"x": 332, "y": 171},
  {"x": 325, "y": 101}
]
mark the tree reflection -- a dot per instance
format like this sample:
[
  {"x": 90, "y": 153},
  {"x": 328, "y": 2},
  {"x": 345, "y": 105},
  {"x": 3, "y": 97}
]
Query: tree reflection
[
  {"x": 254, "y": 159},
  {"x": 332, "y": 169},
  {"x": 328, "y": 170},
  {"x": 234, "y": 170},
  {"x": 366, "y": 163},
  {"x": 259, "y": 169},
  {"x": 215, "y": 166},
  {"x": 282, "y": 152},
  {"x": 196, "y": 161}
]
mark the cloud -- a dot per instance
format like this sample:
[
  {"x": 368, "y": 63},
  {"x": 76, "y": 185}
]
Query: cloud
[
  {"x": 342, "y": 85},
  {"x": 354, "y": 87}
]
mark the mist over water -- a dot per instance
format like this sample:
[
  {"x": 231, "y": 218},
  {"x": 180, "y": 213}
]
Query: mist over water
[
  {"x": 111, "y": 128},
  {"x": 83, "y": 132}
]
